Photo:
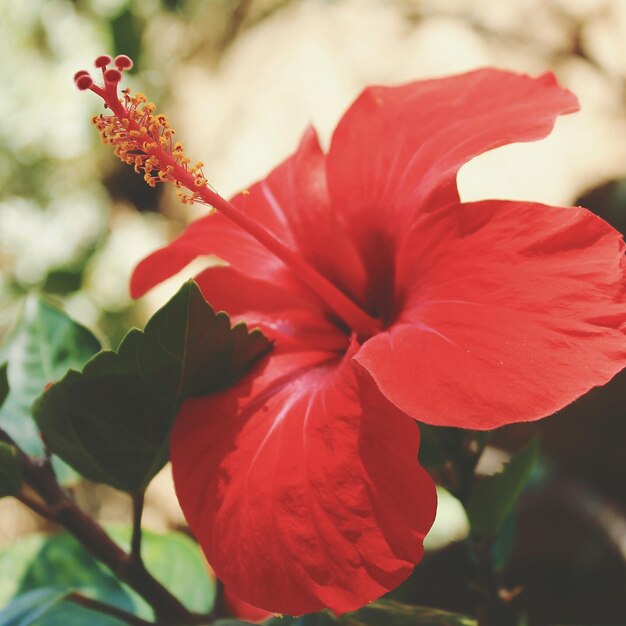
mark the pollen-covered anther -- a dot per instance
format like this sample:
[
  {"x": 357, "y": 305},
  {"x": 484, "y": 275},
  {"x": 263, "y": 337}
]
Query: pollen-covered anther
[
  {"x": 141, "y": 137},
  {"x": 189, "y": 198},
  {"x": 166, "y": 175}
]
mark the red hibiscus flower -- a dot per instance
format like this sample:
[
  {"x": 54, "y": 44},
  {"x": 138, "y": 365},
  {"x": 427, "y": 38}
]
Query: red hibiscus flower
[{"x": 388, "y": 300}]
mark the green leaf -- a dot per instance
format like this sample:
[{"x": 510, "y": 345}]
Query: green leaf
[
  {"x": 381, "y": 613},
  {"x": 177, "y": 563},
  {"x": 15, "y": 559},
  {"x": 28, "y": 608},
  {"x": 10, "y": 471},
  {"x": 49, "y": 606},
  {"x": 112, "y": 421},
  {"x": 66, "y": 613},
  {"x": 42, "y": 347},
  {"x": 502, "y": 544},
  {"x": 41, "y": 561},
  {"x": 494, "y": 497}
]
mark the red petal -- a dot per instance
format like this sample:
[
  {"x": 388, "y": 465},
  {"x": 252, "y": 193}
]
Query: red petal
[
  {"x": 397, "y": 147},
  {"x": 298, "y": 192},
  {"x": 292, "y": 203},
  {"x": 283, "y": 315},
  {"x": 302, "y": 485},
  {"x": 512, "y": 311},
  {"x": 227, "y": 289},
  {"x": 213, "y": 234}
]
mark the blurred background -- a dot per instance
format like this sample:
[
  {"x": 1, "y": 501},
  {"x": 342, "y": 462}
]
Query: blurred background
[{"x": 240, "y": 80}]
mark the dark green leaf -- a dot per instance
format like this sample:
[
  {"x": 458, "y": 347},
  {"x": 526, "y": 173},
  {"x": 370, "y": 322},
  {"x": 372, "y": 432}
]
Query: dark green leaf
[
  {"x": 395, "y": 614},
  {"x": 4, "y": 384},
  {"x": 68, "y": 278},
  {"x": 502, "y": 544},
  {"x": 442, "y": 445},
  {"x": 434, "y": 453},
  {"x": 494, "y": 497},
  {"x": 63, "y": 281},
  {"x": 112, "y": 421},
  {"x": 43, "y": 346},
  {"x": 381, "y": 613},
  {"x": 28, "y": 608},
  {"x": 10, "y": 471},
  {"x": 10, "y": 467},
  {"x": 126, "y": 31}
]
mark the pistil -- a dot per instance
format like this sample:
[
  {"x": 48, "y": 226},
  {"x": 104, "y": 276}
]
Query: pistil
[{"x": 145, "y": 140}]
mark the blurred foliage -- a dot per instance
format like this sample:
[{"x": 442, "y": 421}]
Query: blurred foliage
[
  {"x": 383, "y": 612},
  {"x": 491, "y": 500},
  {"x": 37, "y": 573},
  {"x": 609, "y": 202},
  {"x": 59, "y": 194},
  {"x": 41, "y": 348},
  {"x": 10, "y": 471}
]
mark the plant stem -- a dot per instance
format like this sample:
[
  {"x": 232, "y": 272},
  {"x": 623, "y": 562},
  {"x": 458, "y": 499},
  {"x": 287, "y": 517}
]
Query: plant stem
[
  {"x": 135, "y": 546},
  {"x": 35, "y": 506},
  {"x": 107, "y": 609},
  {"x": 60, "y": 508},
  {"x": 349, "y": 311},
  {"x": 492, "y": 611}
]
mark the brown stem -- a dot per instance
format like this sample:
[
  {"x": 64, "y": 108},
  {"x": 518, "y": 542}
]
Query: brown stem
[
  {"x": 35, "y": 506},
  {"x": 135, "y": 546},
  {"x": 234, "y": 25},
  {"x": 60, "y": 508}
]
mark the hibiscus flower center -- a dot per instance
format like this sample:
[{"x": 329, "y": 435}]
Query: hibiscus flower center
[
  {"x": 145, "y": 140},
  {"x": 382, "y": 301}
]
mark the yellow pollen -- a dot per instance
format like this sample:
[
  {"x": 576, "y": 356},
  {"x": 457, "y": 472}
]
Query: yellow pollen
[{"x": 143, "y": 139}]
